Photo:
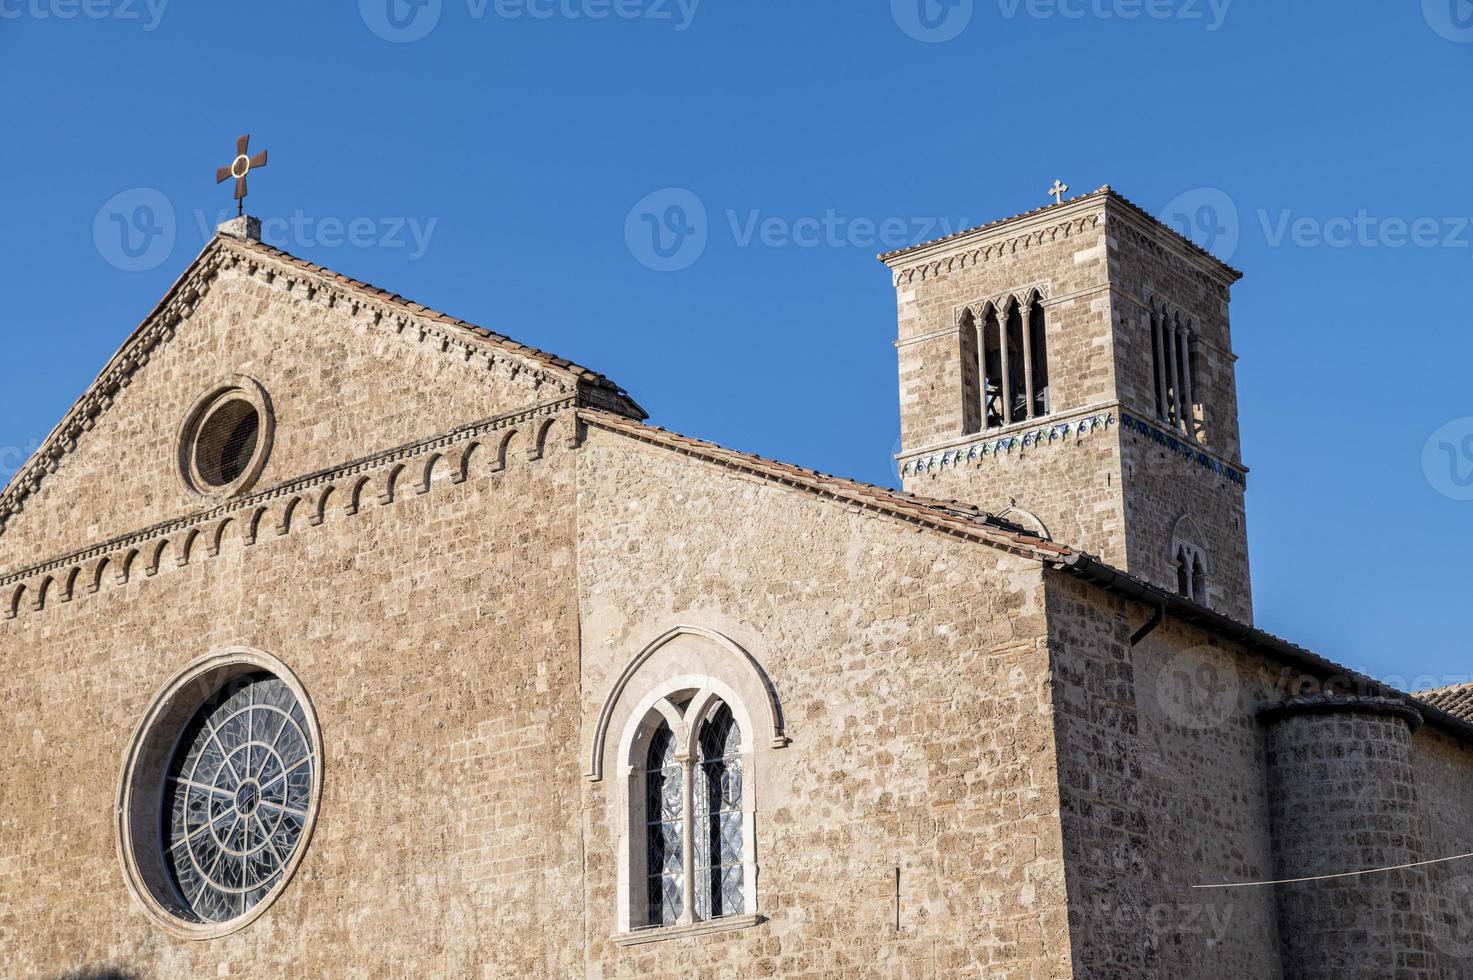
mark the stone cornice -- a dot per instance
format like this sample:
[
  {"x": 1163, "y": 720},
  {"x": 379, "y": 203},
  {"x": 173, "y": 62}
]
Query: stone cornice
[
  {"x": 1143, "y": 305},
  {"x": 1020, "y": 437},
  {"x": 954, "y": 255},
  {"x": 222, "y": 253},
  {"x": 1333, "y": 703},
  {"x": 1195, "y": 452},
  {"x": 452, "y": 449},
  {"x": 1169, "y": 247},
  {"x": 1010, "y": 235},
  {"x": 155, "y": 330}
]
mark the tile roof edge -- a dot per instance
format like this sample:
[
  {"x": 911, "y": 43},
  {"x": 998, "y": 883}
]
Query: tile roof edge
[
  {"x": 137, "y": 347},
  {"x": 1448, "y": 688},
  {"x": 953, "y": 518},
  {"x": 545, "y": 359},
  {"x": 10, "y": 491},
  {"x": 1121, "y": 583},
  {"x": 1106, "y": 193}
]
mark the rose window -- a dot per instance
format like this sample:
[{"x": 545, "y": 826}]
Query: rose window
[{"x": 237, "y": 796}]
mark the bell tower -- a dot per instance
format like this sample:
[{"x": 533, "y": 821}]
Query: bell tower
[{"x": 1071, "y": 369}]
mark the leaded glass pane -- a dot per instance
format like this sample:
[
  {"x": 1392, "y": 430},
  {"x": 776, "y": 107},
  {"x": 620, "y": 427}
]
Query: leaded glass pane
[
  {"x": 664, "y": 847},
  {"x": 718, "y": 818},
  {"x": 236, "y": 797}
]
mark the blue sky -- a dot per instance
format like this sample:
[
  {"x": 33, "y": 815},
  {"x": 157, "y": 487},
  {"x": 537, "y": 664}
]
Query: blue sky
[{"x": 485, "y": 157}]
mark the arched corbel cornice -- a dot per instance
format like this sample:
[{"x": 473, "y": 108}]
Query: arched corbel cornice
[{"x": 739, "y": 656}]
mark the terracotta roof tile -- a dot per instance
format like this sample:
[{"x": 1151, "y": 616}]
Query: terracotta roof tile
[
  {"x": 1456, "y": 700},
  {"x": 956, "y": 518}
]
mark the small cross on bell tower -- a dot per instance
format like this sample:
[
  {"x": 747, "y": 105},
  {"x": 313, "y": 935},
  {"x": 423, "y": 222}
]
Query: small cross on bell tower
[{"x": 1058, "y": 191}]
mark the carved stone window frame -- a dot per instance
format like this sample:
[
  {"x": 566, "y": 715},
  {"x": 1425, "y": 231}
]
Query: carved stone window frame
[
  {"x": 702, "y": 670},
  {"x": 235, "y": 388},
  {"x": 140, "y": 796}
]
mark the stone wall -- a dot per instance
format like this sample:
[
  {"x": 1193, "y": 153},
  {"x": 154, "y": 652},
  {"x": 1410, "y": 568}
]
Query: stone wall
[
  {"x": 457, "y": 667},
  {"x": 1161, "y": 487},
  {"x": 341, "y": 386},
  {"x": 436, "y": 636},
  {"x": 1170, "y": 779},
  {"x": 1146, "y": 263},
  {"x": 1161, "y": 789},
  {"x": 1445, "y": 793},
  {"x": 1072, "y": 485},
  {"x": 913, "y": 678},
  {"x": 1343, "y": 796},
  {"x": 1100, "y": 265},
  {"x": 1064, "y": 255}
]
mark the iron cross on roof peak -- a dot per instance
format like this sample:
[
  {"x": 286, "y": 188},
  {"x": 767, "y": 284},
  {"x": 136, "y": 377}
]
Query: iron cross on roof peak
[
  {"x": 239, "y": 167},
  {"x": 1058, "y": 191}
]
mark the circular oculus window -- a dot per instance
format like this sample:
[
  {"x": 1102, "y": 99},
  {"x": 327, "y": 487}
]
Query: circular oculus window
[
  {"x": 225, "y": 439},
  {"x": 219, "y": 793}
]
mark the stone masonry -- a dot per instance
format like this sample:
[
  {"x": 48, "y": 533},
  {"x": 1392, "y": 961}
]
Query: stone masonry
[
  {"x": 1102, "y": 471},
  {"x": 967, "y": 750}
]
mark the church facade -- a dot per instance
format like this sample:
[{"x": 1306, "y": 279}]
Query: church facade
[{"x": 344, "y": 638}]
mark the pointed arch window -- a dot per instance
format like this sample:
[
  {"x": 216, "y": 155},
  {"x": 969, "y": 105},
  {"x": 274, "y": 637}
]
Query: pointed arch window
[
  {"x": 664, "y": 816},
  {"x": 696, "y": 814},
  {"x": 992, "y": 377},
  {"x": 971, "y": 358},
  {"x": 1189, "y": 560},
  {"x": 1174, "y": 365},
  {"x": 1038, "y": 349},
  {"x": 1011, "y": 349},
  {"x": 718, "y": 818}
]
